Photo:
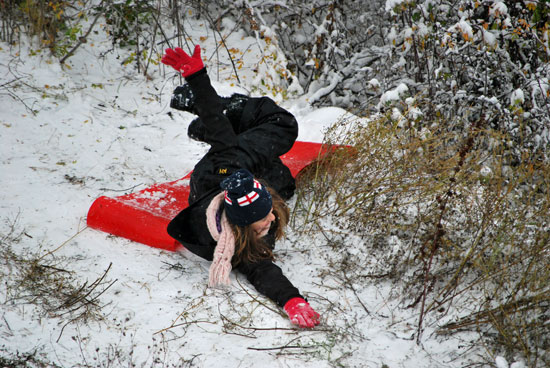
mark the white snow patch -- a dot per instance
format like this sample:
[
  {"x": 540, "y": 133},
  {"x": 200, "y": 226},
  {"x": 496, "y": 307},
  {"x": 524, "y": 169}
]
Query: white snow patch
[
  {"x": 374, "y": 83},
  {"x": 464, "y": 27},
  {"x": 486, "y": 172},
  {"x": 393, "y": 95},
  {"x": 498, "y": 8},
  {"x": 489, "y": 38},
  {"x": 517, "y": 97},
  {"x": 501, "y": 362},
  {"x": 391, "y": 4}
]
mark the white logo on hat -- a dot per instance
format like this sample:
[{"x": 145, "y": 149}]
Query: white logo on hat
[
  {"x": 247, "y": 199},
  {"x": 250, "y": 197}
]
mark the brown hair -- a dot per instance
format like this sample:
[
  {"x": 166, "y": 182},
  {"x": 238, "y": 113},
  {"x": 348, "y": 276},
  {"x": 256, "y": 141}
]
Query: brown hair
[{"x": 250, "y": 248}]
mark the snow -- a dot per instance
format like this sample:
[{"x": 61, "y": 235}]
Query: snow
[
  {"x": 314, "y": 123},
  {"x": 374, "y": 83},
  {"x": 464, "y": 27},
  {"x": 393, "y": 94},
  {"x": 517, "y": 97},
  {"x": 392, "y": 36},
  {"x": 69, "y": 135},
  {"x": 501, "y": 362},
  {"x": 486, "y": 172},
  {"x": 498, "y": 8},
  {"x": 391, "y": 4},
  {"x": 489, "y": 38},
  {"x": 541, "y": 86}
]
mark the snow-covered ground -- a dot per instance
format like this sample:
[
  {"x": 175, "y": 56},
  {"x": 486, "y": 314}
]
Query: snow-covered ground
[{"x": 69, "y": 135}]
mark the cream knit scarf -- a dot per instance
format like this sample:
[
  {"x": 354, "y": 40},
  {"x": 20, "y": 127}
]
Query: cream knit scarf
[{"x": 221, "y": 264}]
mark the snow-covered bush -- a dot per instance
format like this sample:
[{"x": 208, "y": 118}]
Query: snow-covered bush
[
  {"x": 53, "y": 24},
  {"x": 128, "y": 21},
  {"x": 460, "y": 60}
]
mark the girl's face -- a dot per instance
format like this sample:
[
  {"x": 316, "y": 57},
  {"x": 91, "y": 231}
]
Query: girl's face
[{"x": 261, "y": 227}]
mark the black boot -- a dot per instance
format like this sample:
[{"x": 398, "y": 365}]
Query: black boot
[
  {"x": 197, "y": 130},
  {"x": 233, "y": 109},
  {"x": 183, "y": 99}
]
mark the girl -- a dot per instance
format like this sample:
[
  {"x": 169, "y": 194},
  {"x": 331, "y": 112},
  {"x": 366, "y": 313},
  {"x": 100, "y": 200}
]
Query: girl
[{"x": 233, "y": 218}]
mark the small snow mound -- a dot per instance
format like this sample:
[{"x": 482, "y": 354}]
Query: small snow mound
[
  {"x": 517, "y": 97},
  {"x": 394, "y": 94},
  {"x": 374, "y": 83},
  {"x": 498, "y": 8},
  {"x": 501, "y": 362},
  {"x": 490, "y": 39},
  {"x": 485, "y": 172}
]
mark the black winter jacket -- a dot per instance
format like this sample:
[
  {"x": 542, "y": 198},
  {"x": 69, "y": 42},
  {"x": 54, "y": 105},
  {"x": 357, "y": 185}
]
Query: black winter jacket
[{"x": 254, "y": 141}]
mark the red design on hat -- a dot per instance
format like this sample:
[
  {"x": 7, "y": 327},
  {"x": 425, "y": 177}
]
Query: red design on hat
[
  {"x": 248, "y": 198},
  {"x": 227, "y": 199}
]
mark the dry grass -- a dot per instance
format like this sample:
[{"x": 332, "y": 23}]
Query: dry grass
[
  {"x": 446, "y": 213},
  {"x": 44, "y": 281}
]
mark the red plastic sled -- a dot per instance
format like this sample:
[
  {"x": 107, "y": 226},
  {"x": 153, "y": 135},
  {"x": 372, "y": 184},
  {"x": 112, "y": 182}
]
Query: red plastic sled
[{"x": 143, "y": 216}]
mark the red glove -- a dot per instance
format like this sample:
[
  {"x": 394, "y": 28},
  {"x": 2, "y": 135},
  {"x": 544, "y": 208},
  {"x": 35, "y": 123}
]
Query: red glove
[
  {"x": 182, "y": 62},
  {"x": 300, "y": 313}
]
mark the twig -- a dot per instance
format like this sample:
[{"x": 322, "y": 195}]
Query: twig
[
  {"x": 180, "y": 315},
  {"x": 14, "y": 96},
  {"x": 83, "y": 298},
  {"x": 439, "y": 231},
  {"x": 7, "y": 324},
  {"x": 283, "y": 347},
  {"x": 182, "y": 324},
  {"x": 120, "y": 190},
  {"x": 520, "y": 306},
  {"x": 97, "y": 282},
  {"x": 257, "y": 300},
  {"x": 256, "y": 328},
  {"x": 138, "y": 63},
  {"x": 224, "y": 45},
  {"x": 166, "y": 39},
  {"x": 350, "y": 284},
  {"x": 10, "y": 82},
  {"x": 157, "y": 25},
  {"x": 175, "y": 266},
  {"x": 63, "y": 328},
  {"x": 62, "y": 244},
  {"x": 287, "y": 346},
  {"x": 82, "y": 39}
]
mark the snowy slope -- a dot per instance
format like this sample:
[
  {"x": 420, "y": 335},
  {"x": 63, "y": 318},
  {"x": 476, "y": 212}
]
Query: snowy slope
[{"x": 69, "y": 135}]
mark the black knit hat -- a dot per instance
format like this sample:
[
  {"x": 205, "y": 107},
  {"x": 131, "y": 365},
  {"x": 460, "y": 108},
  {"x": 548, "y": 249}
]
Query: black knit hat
[{"x": 246, "y": 199}]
